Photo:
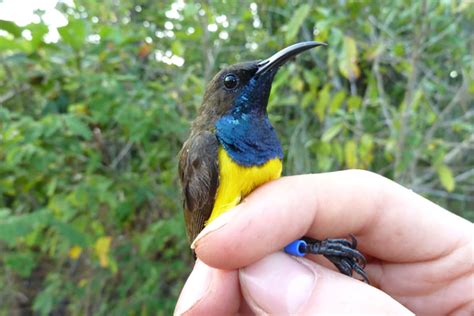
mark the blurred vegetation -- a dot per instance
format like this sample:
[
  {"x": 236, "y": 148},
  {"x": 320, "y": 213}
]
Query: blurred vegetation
[{"x": 90, "y": 126}]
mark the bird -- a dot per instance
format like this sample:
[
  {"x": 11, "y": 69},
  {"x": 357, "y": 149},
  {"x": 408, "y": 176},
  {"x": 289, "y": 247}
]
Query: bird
[{"x": 233, "y": 148}]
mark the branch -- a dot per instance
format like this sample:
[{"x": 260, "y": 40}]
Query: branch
[
  {"x": 410, "y": 91},
  {"x": 464, "y": 176},
  {"x": 440, "y": 35},
  {"x": 444, "y": 194},
  {"x": 454, "y": 101},
  {"x": 383, "y": 97},
  {"x": 459, "y": 149},
  {"x": 13, "y": 93},
  {"x": 121, "y": 155}
]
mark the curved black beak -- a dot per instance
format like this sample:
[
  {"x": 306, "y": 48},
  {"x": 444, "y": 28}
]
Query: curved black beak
[{"x": 284, "y": 55}]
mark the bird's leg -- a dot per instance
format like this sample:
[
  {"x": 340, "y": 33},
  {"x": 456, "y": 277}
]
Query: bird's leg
[{"x": 341, "y": 252}]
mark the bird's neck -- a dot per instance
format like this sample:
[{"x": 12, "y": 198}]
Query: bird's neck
[{"x": 248, "y": 138}]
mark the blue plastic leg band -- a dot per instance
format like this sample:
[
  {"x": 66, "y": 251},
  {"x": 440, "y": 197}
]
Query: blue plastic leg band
[{"x": 296, "y": 248}]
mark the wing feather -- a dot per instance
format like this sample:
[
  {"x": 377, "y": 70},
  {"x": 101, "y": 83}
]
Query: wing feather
[{"x": 199, "y": 175}]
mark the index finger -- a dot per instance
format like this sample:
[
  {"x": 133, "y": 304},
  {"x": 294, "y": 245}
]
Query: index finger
[{"x": 390, "y": 222}]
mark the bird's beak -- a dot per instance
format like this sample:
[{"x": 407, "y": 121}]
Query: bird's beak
[{"x": 281, "y": 57}]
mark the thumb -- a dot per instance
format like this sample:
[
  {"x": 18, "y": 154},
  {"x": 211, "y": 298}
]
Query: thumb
[{"x": 281, "y": 284}]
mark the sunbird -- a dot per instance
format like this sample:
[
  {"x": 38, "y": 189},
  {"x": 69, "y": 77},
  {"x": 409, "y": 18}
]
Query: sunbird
[{"x": 233, "y": 148}]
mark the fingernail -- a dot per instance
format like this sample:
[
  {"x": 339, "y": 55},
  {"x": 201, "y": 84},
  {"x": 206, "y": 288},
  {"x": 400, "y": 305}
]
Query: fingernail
[
  {"x": 277, "y": 284},
  {"x": 216, "y": 224},
  {"x": 195, "y": 288}
]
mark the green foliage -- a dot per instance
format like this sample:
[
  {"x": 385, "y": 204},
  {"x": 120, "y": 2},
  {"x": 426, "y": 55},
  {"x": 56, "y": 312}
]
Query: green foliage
[
  {"x": 90, "y": 127},
  {"x": 294, "y": 25}
]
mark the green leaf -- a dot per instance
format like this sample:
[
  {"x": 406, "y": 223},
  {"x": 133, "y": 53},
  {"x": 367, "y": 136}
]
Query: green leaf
[
  {"x": 337, "y": 101},
  {"x": 13, "y": 227},
  {"x": 365, "y": 150},
  {"x": 77, "y": 127},
  {"x": 374, "y": 51},
  {"x": 296, "y": 21},
  {"x": 11, "y": 28},
  {"x": 325, "y": 158},
  {"x": 331, "y": 132},
  {"x": 348, "y": 60},
  {"x": 307, "y": 99},
  {"x": 51, "y": 187},
  {"x": 323, "y": 101},
  {"x": 177, "y": 48},
  {"x": 191, "y": 9},
  {"x": 4, "y": 213},
  {"x": 37, "y": 33},
  {"x": 399, "y": 49},
  {"x": 350, "y": 154},
  {"x": 297, "y": 84},
  {"x": 51, "y": 294},
  {"x": 71, "y": 234},
  {"x": 354, "y": 102},
  {"x": 311, "y": 78},
  {"x": 74, "y": 33},
  {"x": 21, "y": 263},
  {"x": 417, "y": 99},
  {"x": 446, "y": 177},
  {"x": 338, "y": 152},
  {"x": 19, "y": 44},
  {"x": 405, "y": 67}
]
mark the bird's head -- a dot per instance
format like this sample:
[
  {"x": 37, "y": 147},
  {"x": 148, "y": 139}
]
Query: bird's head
[{"x": 245, "y": 87}]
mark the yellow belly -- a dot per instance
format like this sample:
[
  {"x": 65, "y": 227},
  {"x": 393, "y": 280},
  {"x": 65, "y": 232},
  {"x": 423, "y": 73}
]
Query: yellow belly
[{"x": 236, "y": 182}]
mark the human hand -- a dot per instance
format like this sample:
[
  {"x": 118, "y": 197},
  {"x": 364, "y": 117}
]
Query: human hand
[{"x": 418, "y": 253}]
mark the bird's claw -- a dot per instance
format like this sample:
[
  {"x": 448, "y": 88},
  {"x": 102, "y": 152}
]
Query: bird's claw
[{"x": 342, "y": 253}]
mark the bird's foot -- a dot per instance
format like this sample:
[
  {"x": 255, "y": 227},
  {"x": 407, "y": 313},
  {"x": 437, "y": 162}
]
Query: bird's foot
[{"x": 341, "y": 252}]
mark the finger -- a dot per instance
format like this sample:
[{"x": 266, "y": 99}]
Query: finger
[
  {"x": 284, "y": 285},
  {"x": 209, "y": 291},
  {"x": 438, "y": 287},
  {"x": 390, "y": 222}
]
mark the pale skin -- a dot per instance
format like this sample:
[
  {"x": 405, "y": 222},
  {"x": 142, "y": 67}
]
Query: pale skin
[{"x": 420, "y": 256}]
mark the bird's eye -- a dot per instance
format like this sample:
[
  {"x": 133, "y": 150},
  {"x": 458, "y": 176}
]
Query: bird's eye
[{"x": 231, "y": 81}]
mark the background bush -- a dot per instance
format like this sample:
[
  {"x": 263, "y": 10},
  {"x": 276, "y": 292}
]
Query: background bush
[{"x": 90, "y": 127}]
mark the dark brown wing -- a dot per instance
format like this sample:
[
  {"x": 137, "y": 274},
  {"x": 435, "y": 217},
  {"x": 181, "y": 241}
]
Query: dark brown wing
[{"x": 199, "y": 175}]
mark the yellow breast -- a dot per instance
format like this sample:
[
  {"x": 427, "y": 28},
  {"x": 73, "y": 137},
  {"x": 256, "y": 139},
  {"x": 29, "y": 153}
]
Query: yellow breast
[{"x": 236, "y": 182}]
